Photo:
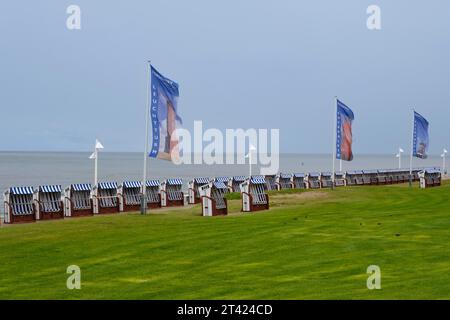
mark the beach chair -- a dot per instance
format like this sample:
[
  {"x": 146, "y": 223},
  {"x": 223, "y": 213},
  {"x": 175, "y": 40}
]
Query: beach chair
[
  {"x": 225, "y": 180},
  {"x": 193, "y": 189},
  {"x": 326, "y": 180},
  {"x": 298, "y": 181},
  {"x": 430, "y": 177},
  {"x": 213, "y": 198},
  {"x": 382, "y": 177},
  {"x": 370, "y": 177},
  {"x": 359, "y": 177},
  {"x": 171, "y": 193},
  {"x": 235, "y": 183},
  {"x": 153, "y": 194},
  {"x": 339, "y": 180},
  {"x": 313, "y": 180},
  {"x": 77, "y": 200},
  {"x": 254, "y": 196},
  {"x": 48, "y": 202},
  {"x": 271, "y": 182},
  {"x": 129, "y": 194},
  {"x": 105, "y": 198},
  {"x": 18, "y": 205},
  {"x": 283, "y": 181}
]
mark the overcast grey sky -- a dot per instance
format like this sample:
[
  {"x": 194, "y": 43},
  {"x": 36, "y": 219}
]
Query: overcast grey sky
[{"x": 249, "y": 64}]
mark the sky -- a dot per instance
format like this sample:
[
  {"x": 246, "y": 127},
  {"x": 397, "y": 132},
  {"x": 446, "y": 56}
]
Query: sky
[{"x": 239, "y": 64}]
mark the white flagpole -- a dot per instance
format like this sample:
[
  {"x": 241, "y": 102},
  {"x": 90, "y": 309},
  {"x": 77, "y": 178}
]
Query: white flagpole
[
  {"x": 250, "y": 163},
  {"x": 444, "y": 154},
  {"x": 399, "y": 160},
  {"x": 412, "y": 148},
  {"x": 334, "y": 140},
  {"x": 147, "y": 116},
  {"x": 340, "y": 165},
  {"x": 96, "y": 167}
]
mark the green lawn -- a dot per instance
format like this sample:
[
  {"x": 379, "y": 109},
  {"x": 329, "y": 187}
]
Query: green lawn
[{"x": 309, "y": 245}]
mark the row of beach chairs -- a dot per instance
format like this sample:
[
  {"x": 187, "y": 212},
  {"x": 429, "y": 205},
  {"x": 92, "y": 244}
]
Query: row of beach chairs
[{"x": 25, "y": 204}]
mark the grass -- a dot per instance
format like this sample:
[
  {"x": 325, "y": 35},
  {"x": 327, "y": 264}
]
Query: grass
[{"x": 309, "y": 245}]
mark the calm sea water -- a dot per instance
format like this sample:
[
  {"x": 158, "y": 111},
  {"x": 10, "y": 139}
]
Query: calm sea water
[{"x": 64, "y": 168}]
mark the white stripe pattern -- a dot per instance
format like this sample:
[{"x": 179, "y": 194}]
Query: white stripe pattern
[
  {"x": 50, "y": 189},
  {"x": 81, "y": 187},
  {"x": 21, "y": 190},
  {"x": 107, "y": 185}
]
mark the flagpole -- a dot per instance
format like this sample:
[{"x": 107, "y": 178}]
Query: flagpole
[
  {"x": 96, "y": 167},
  {"x": 340, "y": 165},
  {"x": 250, "y": 163},
  {"x": 411, "y": 157},
  {"x": 334, "y": 141},
  {"x": 147, "y": 116}
]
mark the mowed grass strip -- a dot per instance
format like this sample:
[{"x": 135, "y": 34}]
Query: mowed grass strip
[{"x": 309, "y": 245}]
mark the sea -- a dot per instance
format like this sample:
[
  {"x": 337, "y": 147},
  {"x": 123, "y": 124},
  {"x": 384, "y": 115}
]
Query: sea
[{"x": 64, "y": 168}]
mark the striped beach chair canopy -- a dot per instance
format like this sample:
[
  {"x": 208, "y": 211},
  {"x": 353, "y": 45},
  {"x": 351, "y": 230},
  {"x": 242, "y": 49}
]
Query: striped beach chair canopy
[
  {"x": 219, "y": 185},
  {"x": 50, "y": 189},
  {"x": 222, "y": 179},
  {"x": 152, "y": 183},
  {"x": 326, "y": 174},
  {"x": 131, "y": 184},
  {"x": 175, "y": 182},
  {"x": 201, "y": 181},
  {"x": 285, "y": 175},
  {"x": 239, "y": 178},
  {"x": 339, "y": 173},
  {"x": 107, "y": 185},
  {"x": 431, "y": 170},
  {"x": 314, "y": 174},
  {"x": 370, "y": 171},
  {"x": 299, "y": 175},
  {"x": 81, "y": 187},
  {"x": 353, "y": 172},
  {"x": 258, "y": 180},
  {"x": 21, "y": 190}
]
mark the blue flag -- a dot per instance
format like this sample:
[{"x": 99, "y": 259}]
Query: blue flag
[
  {"x": 420, "y": 137},
  {"x": 344, "y": 137},
  {"x": 164, "y": 116}
]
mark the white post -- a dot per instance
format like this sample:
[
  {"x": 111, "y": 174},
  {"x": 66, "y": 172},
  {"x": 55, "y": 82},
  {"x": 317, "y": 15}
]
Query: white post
[
  {"x": 334, "y": 141},
  {"x": 340, "y": 165},
  {"x": 444, "y": 154},
  {"x": 147, "y": 116},
  {"x": 399, "y": 160},
  {"x": 96, "y": 167},
  {"x": 412, "y": 148},
  {"x": 250, "y": 162}
]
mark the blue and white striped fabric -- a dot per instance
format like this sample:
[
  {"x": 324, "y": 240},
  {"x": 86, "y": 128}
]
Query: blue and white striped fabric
[
  {"x": 132, "y": 184},
  {"x": 370, "y": 171},
  {"x": 107, "y": 185},
  {"x": 285, "y": 175},
  {"x": 313, "y": 174},
  {"x": 201, "y": 181},
  {"x": 219, "y": 185},
  {"x": 21, "y": 190},
  {"x": 299, "y": 175},
  {"x": 81, "y": 187},
  {"x": 326, "y": 174},
  {"x": 50, "y": 189},
  {"x": 432, "y": 170},
  {"x": 258, "y": 180},
  {"x": 174, "y": 182},
  {"x": 222, "y": 179},
  {"x": 339, "y": 173},
  {"x": 239, "y": 178},
  {"x": 153, "y": 183}
]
